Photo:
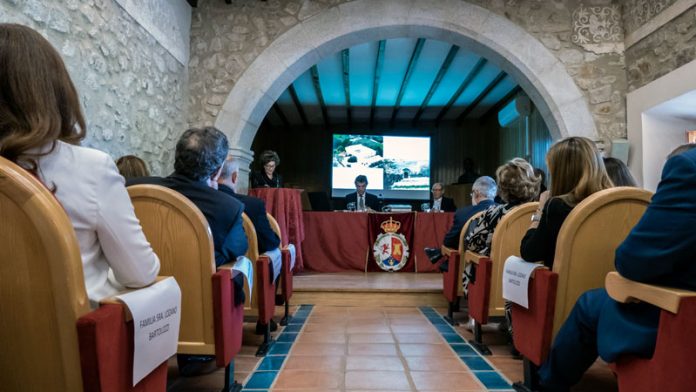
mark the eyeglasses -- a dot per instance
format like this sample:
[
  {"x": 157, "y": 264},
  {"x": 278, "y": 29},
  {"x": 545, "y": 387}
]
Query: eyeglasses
[{"x": 270, "y": 165}]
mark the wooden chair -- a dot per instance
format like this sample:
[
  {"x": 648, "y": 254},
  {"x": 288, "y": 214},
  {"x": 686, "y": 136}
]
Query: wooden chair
[
  {"x": 584, "y": 255},
  {"x": 452, "y": 284},
  {"x": 286, "y": 273},
  {"x": 486, "y": 293},
  {"x": 671, "y": 367},
  {"x": 262, "y": 296},
  {"x": 49, "y": 338},
  {"x": 179, "y": 234}
]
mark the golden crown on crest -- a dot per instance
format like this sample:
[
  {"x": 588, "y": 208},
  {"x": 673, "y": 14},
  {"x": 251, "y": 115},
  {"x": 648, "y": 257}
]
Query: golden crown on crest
[{"x": 390, "y": 226}]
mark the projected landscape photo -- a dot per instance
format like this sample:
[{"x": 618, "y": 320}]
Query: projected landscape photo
[{"x": 389, "y": 162}]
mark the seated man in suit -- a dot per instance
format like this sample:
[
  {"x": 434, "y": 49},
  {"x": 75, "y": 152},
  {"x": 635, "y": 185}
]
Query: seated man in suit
[
  {"x": 362, "y": 199},
  {"x": 198, "y": 159},
  {"x": 255, "y": 208},
  {"x": 659, "y": 250},
  {"x": 439, "y": 202},
  {"x": 482, "y": 194}
]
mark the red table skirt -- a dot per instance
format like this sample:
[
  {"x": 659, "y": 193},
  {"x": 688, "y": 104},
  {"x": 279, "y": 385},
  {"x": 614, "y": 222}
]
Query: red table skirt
[{"x": 338, "y": 241}]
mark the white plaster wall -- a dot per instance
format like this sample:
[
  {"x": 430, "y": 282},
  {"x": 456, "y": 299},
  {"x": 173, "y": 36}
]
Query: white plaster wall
[
  {"x": 647, "y": 142},
  {"x": 168, "y": 21},
  {"x": 661, "y": 135}
]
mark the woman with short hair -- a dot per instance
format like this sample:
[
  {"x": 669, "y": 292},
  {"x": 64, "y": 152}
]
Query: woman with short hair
[
  {"x": 267, "y": 177},
  {"x": 130, "y": 166}
]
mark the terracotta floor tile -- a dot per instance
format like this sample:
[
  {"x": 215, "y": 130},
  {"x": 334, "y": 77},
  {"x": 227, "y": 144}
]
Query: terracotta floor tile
[
  {"x": 412, "y": 328},
  {"x": 461, "y": 381},
  {"x": 370, "y": 338},
  {"x": 376, "y": 380},
  {"x": 309, "y": 379},
  {"x": 327, "y": 319},
  {"x": 425, "y": 350},
  {"x": 371, "y": 349},
  {"x": 361, "y": 328},
  {"x": 430, "y": 338},
  {"x": 333, "y": 327},
  {"x": 311, "y": 362},
  {"x": 331, "y": 349},
  {"x": 362, "y": 362},
  {"x": 438, "y": 364},
  {"x": 321, "y": 337}
]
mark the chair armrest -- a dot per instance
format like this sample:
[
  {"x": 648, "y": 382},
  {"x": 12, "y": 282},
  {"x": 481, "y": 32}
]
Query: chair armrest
[
  {"x": 473, "y": 257},
  {"x": 115, "y": 301},
  {"x": 446, "y": 251},
  {"x": 625, "y": 290}
]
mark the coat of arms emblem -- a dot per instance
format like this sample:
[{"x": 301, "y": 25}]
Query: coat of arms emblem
[{"x": 390, "y": 248}]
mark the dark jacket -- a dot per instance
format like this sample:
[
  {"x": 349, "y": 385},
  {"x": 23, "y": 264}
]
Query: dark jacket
[
  {"x": 223, "y": 213},
  {"x": 460, "y": 218},
  {"x": 255, "y": 209},
  {"x": 259, "y": 180},
  {"x": 370, "y": 200},
  {"x": 446, "y": 205}
]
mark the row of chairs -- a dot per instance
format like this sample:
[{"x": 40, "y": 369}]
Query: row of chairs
[
  {"x": 50, "y": 338},
  {"x": 584, "y": 260}
]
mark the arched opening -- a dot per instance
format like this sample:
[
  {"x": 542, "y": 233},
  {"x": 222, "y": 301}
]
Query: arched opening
[{"x": 537, "y": 70}]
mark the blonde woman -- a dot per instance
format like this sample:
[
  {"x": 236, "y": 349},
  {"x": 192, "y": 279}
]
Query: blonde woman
[{"x": 577, "y": 171}]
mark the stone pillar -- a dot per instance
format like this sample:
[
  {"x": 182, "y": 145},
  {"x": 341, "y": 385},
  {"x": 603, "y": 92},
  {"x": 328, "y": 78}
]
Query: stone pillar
[{"x": 245, "y": 157}]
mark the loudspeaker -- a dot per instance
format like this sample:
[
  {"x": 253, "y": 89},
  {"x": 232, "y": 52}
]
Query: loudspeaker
[{"x": 619, "y": 150}]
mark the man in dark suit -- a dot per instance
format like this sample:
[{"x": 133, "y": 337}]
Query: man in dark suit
[
  {"x": 439, "y": 202},
  {"x": 483, "y": 192},
  {"x": 360, "y": 197},
  {"x": 198, "y": 159},
  {"x": 659, "y": 250}
]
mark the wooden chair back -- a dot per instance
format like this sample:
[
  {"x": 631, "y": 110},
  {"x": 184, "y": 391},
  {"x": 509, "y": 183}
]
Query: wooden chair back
[
  {"x": 588, "y": 240},
  {"x": 253, "y": 255},
  {"x": 506, "y": 241},
  {"x": 462, "y": 250},
  {"x": 42, "y": 289},
  {"x": 274, "y": 226},
  {"x": 179, "y": 234}
]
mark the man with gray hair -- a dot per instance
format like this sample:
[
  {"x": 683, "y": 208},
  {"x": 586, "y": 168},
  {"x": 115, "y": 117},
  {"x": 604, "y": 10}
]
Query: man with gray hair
[{"x": 482, "y": 194}]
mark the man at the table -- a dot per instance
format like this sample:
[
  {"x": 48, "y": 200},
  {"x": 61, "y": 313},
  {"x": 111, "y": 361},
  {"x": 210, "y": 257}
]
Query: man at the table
[{"x": 360, "y": 197}]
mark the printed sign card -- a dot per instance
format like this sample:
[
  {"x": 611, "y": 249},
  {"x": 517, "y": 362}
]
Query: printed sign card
[
  {"x": 516, "y": 274},
  {"x": 156, "y": 314}
]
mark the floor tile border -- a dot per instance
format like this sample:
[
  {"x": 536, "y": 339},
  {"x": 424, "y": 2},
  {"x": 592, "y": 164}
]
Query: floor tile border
[
  {"x": 268, "y": 368},
  {"x": 489, "y": 377}
]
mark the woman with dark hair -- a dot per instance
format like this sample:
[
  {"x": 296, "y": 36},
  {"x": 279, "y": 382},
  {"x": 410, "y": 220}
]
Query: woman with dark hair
[
  {"x": 618, "y": 172},
  {"x": 131, "y": 166},
  {"x": 577, "y": 171},
  {"x": 41, "y": 126},
  {"x": 267, "y": 177}
]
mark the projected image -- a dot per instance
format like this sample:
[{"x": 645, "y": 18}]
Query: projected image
[{"x": 391, "y": 163}]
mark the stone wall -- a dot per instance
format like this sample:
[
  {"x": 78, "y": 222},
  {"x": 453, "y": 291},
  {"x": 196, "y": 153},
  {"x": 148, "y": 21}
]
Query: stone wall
[
  {"x": 133, "y": 91},
  {"x": 666, "y": 49},
  {"x": 637, "y": 13},
  {"x": 587, "y": 36}
]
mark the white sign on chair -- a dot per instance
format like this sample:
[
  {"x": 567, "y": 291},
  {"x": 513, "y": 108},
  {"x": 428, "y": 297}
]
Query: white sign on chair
[
  {"x": 516, "y": 274},
  {"x": 156, "y": 311}
]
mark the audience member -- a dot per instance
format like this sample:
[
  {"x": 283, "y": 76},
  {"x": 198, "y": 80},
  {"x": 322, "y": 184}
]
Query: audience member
[
  {"x": 517, "y": 184},
  {"x": 41, "y": 126},
  {"x": 659, "y": 250},
  {"x": 542, "y": 175},
  {"x": 360, "y": 197},
  {"x": 200, "y": 154},
  {"x": 439, "y": 202},
  {"x": 618, "y": 172},
  {"x": 131, "y": 166},
  {"x": 681, "y": 149},
  {"x": 470, "y": 174},
  {"x": 268, "y": 177},
  {"x": 577, "y": 171},
  {"x": 482, "y": 193}
]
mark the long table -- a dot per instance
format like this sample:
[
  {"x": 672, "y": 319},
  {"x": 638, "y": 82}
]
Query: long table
[{"x": 338, "y": 241}]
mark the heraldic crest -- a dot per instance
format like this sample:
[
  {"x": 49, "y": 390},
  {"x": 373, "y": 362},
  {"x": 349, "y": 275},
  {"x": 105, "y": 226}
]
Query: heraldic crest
[{"x": 390, "y": 248}]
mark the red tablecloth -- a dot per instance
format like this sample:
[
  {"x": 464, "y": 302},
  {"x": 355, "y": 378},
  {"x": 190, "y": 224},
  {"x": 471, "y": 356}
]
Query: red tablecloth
[
  {"x": 285, "y": 205},
  {"x": 338, "y": 241}
]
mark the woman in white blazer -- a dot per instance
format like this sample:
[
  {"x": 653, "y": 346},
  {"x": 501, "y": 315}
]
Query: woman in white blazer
[{"x": 41, "y": 125}]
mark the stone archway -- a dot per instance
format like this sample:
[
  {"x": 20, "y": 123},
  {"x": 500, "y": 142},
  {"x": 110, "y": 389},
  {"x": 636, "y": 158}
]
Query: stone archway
[{"x": 543, "y": 77}]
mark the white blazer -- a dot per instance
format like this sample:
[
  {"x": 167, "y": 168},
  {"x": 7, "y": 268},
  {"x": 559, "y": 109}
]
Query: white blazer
[{"x": 114, "y": 250}]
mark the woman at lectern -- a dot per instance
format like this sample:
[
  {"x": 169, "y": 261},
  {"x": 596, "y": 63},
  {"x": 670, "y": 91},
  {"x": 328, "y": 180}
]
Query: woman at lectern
[{"x": 267, "y": 177}]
